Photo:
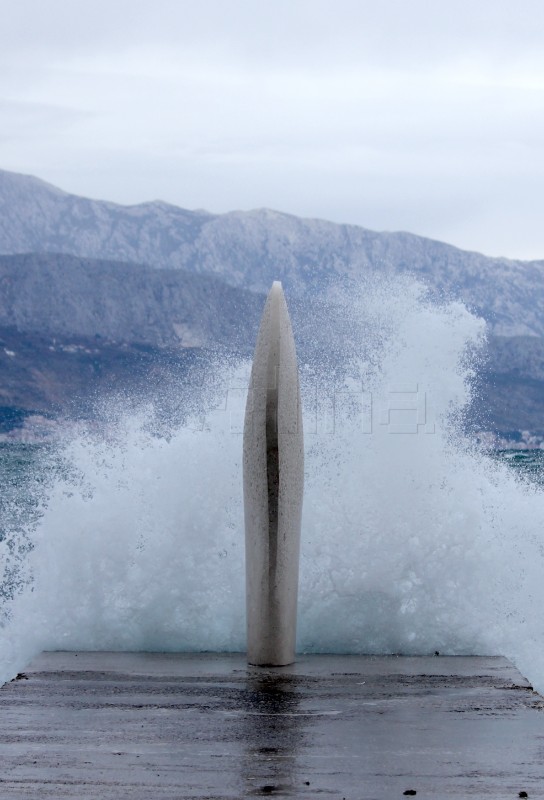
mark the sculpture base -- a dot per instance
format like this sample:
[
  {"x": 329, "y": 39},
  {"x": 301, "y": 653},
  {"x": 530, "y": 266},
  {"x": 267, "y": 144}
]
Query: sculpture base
[{"x": 138, "y": 725}]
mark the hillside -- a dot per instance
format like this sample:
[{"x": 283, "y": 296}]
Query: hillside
[
  {"x": 62, "y": 295},
  {"x": 251, "y": 249},
  {"x": 94, "y": 288}
]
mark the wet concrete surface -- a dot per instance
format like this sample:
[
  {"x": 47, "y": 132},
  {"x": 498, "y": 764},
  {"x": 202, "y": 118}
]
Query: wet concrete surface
[{"x": 137, "y": 725}]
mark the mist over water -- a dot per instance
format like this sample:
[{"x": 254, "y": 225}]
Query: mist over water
[{"x": 413, "y": 541}]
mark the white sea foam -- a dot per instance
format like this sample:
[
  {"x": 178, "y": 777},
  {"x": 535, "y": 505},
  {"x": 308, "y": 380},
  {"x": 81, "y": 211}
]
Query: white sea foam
[{"x": 412, "y": 541}]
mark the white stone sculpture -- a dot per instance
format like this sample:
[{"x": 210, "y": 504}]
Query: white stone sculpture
[{"x": 273, "y": 488}]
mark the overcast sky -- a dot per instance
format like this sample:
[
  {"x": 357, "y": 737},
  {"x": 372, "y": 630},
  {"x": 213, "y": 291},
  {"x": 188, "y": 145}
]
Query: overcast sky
[{"x": 419, "y": 115}]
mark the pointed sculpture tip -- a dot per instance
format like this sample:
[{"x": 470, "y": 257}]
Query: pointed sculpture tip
[{"x": 276, "y": 287}]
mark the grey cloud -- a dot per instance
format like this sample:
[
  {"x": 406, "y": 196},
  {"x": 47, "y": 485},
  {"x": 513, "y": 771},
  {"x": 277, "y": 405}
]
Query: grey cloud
[
  {"x": 326, "y": 31},
  {"x": 416, "y": 115}
]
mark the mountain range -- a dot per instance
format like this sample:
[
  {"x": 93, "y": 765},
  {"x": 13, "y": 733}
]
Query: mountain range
[{"x": 111, "y": 279}]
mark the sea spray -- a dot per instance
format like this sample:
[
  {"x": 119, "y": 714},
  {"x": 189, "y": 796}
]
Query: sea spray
[{"x": 412, "y": 542}]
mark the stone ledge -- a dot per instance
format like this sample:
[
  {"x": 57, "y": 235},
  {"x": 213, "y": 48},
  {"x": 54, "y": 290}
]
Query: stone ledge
[{"x": 142, "y": 725}]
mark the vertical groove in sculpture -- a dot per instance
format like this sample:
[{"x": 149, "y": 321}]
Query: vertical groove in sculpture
[{"x": 273, "y": 488}]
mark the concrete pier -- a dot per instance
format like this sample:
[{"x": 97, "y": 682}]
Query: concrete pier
[{"x": 135, "y": 725}]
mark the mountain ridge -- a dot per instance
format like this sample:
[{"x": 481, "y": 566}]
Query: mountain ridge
[
  {"x": 250, "y": 249},
  {"x": 6, "y": 175},
  {"x": 159, "y": 276}
]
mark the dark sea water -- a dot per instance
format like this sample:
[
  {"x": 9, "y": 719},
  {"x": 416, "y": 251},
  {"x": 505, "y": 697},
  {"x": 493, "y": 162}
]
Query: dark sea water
[
  {"x": 527, "y": 464},
  {"x": 15, "y": 462},
  {"x": 20, "y": 475}
]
